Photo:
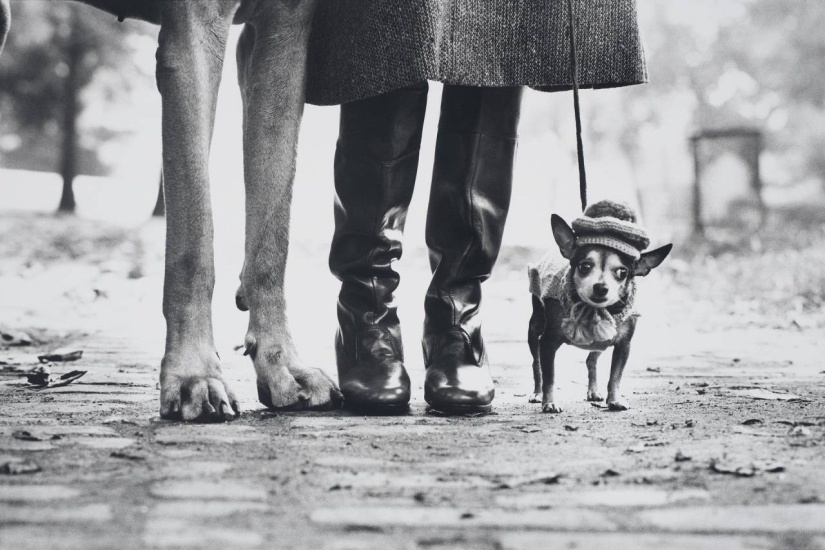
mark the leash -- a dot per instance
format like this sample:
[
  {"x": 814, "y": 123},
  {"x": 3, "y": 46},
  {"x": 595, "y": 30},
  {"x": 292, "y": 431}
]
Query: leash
[{"x": 576, "y": 107}]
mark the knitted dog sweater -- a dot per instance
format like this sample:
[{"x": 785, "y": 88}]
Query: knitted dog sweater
[{"x": 584, "y": 326}]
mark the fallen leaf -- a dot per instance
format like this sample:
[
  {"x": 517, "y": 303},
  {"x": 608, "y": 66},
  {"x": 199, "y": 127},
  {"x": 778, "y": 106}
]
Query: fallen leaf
[
  {"x": 60, "y": 356},
  {"x": 681, "y": 457},
  {"x": 64, "y": 380},
  {"x": 799, "y": 431},
  {"x": 128, "y": 455},
  {"x": 772, "y": 467},
  {"x": 9, "y": 337},
  {"x": 752, "y": 421},
  {"x": 732, "y": 469},
  {"x": 763, "y": 394},
  {"x": 13, "y": 468},
  {"x": 39, "y": 376},
  {"x": 23, "y": 435}
]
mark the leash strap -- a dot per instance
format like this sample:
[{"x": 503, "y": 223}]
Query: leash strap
[{"x": 576, "y": 107}]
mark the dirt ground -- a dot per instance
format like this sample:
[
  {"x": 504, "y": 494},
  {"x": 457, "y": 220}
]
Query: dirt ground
[{"x": 722, "y": 448}]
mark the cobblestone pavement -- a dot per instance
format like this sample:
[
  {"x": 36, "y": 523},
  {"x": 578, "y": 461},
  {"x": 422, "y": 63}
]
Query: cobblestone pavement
[{"x": 722, "y": 448}]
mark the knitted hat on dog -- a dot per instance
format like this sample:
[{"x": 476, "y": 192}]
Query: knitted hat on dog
[{"x": 600, "y": 225}]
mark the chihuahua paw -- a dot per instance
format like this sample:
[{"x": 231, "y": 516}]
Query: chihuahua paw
[
  {"x": 593, "y": 395},
  {"x": 550, "y": 408},
  {"x": 618, "y": 404},
  {"x": 535, "y": 398}
]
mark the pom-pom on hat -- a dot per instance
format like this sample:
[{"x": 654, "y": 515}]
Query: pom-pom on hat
[{"x": 598, "y": 227}]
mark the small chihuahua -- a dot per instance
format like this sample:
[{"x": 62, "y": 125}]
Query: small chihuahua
[{"x": 587, "y": 301}]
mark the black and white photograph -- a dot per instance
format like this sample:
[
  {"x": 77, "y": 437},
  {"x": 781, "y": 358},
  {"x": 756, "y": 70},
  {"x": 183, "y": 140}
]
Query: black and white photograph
[{"x": 412, "y": 274}]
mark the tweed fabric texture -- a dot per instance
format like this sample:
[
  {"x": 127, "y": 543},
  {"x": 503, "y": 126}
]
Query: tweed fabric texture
[{"x": 362, "y": 48}]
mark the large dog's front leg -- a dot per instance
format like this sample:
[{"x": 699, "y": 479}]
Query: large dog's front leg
[
  {"x": 190, "y": 55},
  {"x": 272, "y": 64}
]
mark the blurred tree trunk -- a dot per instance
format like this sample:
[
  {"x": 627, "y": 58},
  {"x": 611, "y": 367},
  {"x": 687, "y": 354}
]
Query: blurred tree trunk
[
  {"x": 71, "y": 104},
  {"x": 160, "y": 206}
]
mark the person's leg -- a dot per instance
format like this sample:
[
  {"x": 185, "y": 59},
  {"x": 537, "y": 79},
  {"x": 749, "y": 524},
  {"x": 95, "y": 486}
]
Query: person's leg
[
  {"x": 469, "y": 199},
  {"x": 375, "y": 167}
]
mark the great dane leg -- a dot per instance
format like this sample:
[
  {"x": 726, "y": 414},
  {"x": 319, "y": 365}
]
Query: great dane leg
[
  {"x": 272, "y": 60},
  {"x": 190, "y": 55}
]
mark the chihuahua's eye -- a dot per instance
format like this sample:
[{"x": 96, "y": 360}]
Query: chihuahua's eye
[
  {"x": 584, "y": 268},
  {"x": 621, "y": 274}
]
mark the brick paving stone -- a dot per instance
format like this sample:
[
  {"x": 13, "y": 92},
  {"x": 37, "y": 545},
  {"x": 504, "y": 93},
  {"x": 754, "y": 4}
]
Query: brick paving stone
[
  {"x": 47, "y": 431},
  {"x": 35, "y": 493},
  {"x": 205, "y": 490},
  {"x": 564, "y": 519},
  {"x": 399, "y": 479},
  {"x": 606, "y": 497},
  {"x": 76, "y": 397},
  {"x": 205, "y": 508},
  {"x": 359, "y": 462},
  {"x": 12, "y": 444},
  {"x": 103, "y": 442},
  {"x": 774, "y": 518},
  {"x": 170, "y": 533},
  {"x": 229, "y": 433},
  {"x": 29, "y": 537},
  {"x": 635, "y": 541},
  {"x": 48, "y": 515},
  {"x": 194, "y": 468}
]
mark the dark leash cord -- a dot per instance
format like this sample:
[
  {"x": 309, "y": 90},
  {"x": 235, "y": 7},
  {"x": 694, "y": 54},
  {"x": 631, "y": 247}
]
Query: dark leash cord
[{"x": 574, "y": 69}]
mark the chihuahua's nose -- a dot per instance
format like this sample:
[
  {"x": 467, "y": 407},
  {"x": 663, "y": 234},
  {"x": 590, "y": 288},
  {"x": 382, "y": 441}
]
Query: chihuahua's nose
[{"x": 600, "y": 290}]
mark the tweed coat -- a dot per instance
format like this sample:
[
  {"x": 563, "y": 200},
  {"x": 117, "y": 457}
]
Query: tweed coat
[{"x": 361, "y": 48}]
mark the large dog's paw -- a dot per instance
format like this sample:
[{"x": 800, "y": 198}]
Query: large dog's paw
[
  {"x": 535, "y": 398},
  {"x": 550, "y": 407},
  {"x": 594, "y": 395},
  {"x": 192, "y": 389},
  {"x": 617, "y": 404},
  {"x": 283, "y": 384}
]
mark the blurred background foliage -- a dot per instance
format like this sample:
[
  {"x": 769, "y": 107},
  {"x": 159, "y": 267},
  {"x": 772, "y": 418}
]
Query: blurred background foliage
[
  {"x": 61, "y": 57},
  {"x": 69, "y": 70}
]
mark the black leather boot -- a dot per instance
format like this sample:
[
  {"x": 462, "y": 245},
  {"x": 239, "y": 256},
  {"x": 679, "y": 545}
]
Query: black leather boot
[
  {"x": 375, "y": 167},
  {"x": 469, "y": 199}
]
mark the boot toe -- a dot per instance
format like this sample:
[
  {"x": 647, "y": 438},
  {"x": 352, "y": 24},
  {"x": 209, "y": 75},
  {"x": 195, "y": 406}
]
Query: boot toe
[
  {"x": 376, "y": 388},
  {"x": 459, "y": 389}
]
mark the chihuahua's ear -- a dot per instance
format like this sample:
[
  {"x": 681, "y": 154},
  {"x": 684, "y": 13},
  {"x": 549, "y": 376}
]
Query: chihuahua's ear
[
  {"x": 564, "y": 236},
  {"x": 651, "y": 260}
]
